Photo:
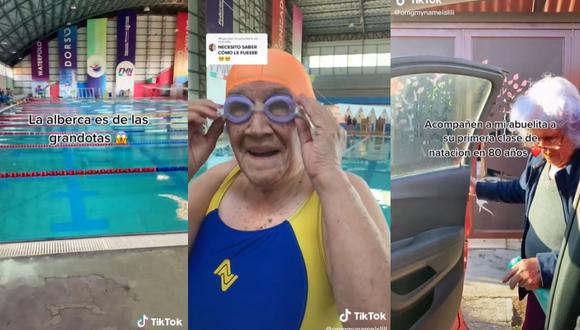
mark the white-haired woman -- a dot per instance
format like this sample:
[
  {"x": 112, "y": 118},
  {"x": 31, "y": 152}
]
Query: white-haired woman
[{"x": 546, "y": 187}]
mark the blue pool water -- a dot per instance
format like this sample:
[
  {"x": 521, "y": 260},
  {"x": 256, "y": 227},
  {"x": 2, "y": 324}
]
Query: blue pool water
[{"x": 41, "y": 208}]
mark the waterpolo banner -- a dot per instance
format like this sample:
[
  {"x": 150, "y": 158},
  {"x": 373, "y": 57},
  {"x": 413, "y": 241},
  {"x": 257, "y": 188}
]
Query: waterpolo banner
[
  {"x": 297, "y": 21},
  {"x": 278, "y": 24},
  {"x": 126, "y": 45},
  {"x": 39, "y": 57},
  {"x": 219, "y": 16},
  {"x": 180, "y": 62},
  {"x": 67, "y": 61},
  {"x": 97, "y": 55}
]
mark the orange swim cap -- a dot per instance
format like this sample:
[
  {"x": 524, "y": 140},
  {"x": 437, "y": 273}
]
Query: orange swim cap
[{"x": 282, "y": 68}]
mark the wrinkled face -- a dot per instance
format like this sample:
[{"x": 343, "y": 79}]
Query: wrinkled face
[
  {"x": 266, "y": 152},
  {"x": 556, "y": 146}
]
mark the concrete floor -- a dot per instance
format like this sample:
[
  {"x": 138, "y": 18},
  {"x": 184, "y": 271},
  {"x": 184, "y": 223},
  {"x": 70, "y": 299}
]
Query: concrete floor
[
  {"x": 488, "y": 303},
  {"x": 112, "y": 290},
  {"x": 100, "y": 291}
]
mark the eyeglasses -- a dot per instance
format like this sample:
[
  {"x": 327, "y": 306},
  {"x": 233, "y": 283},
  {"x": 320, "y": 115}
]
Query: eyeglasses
[
  {"x": 548, "y": 143},
  {"x": 279, "y": 109}
]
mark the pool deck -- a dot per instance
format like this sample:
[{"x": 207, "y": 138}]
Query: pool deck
[
  {"x": 96, "y": 290},
  {"x": 96, "y": 244}
]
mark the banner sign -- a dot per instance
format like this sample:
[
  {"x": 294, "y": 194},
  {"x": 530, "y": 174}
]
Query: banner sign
[
  {"x": 180, "y": 64},
  {"x": 219, "y": 16},
  {"x": 67, "y": 61},
  {"x": 278, "y": 24},
  {"x": 297, "y": 24},
  {"x": 126, "y": 45},
  {"x": 39, "y": 58},
  {"x": 97, "y": 55},
  {"x": 40, "y": 74}
]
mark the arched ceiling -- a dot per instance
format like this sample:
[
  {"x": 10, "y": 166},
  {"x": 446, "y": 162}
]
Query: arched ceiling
[{"x": 23, "y": 22}]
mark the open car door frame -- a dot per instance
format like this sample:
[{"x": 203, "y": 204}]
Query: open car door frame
[
  {"x": 428, "y": 209},
  {"x": 564, "y": 307}
]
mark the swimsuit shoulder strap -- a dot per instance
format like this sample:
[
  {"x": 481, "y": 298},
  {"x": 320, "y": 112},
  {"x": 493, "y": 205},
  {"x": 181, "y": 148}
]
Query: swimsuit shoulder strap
[
  {"x": 219, "y": 194},
  {"x": 308, "y": 208}
]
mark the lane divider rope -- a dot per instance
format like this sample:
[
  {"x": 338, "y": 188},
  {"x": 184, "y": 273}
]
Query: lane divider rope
[
  {"x": 25, "y": 115},
  {"x": 93, "y": 172},
  {"x": 87, "y": 145}
]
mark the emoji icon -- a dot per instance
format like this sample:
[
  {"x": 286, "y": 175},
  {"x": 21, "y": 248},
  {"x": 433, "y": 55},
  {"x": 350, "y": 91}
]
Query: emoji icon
[
  {"x": 221, "y": 58},
  {"x": 228, "y": 58},
  {"x": 536, "y": 151},
  {"x": 121, "y": 138}
]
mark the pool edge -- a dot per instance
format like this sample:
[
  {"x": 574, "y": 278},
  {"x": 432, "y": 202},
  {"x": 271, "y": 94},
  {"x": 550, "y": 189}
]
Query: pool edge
[{"x": 96, "y": 244}]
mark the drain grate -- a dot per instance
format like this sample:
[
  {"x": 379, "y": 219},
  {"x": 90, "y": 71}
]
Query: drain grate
[{"x": 29, "y": 249}]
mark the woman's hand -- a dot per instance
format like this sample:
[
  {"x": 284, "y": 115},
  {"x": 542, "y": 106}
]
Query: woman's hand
[
  {"x": 472, "y": 186},
  {"x": 525, "y": 274},
  {"x": 201, "y": 143},
  {"x": 321, "y": 148}
]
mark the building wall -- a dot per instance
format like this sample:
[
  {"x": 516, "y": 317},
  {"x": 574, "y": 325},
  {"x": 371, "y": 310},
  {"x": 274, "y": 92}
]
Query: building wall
[
  {"x": 195, "y": 48},
  {"x": 155, "y": 47},
  {"x": 6, "y": 74}
]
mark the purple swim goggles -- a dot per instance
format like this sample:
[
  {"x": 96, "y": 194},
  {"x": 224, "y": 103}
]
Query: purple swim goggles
[{"x": 279, "y": 109}]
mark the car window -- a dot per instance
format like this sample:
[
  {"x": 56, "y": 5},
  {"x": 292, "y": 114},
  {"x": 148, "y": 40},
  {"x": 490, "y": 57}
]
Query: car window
[{"x": 434, "y": 99}]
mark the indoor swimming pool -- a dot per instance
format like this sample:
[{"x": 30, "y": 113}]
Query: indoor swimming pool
[{"x": 72, "y": 191}]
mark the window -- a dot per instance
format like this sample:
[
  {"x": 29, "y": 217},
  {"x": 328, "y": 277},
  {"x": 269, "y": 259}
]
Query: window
[
  {"x": 355, "y": 60},
  {"x": 370, "y": 60},
  {"x": 326, "y": 61},
  {"x": 340, "y": 61},
  {"x": 350, "y": 60},
  {"x": 314, "y": 61},
  {"x": 384, "y": 59},
  {"x": 420, "y": 97}
]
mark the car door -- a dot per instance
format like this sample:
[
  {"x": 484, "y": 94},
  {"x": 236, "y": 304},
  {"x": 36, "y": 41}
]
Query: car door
[
  {"x": 429, "y": 194},
  {"x": 564, "y": 307}
]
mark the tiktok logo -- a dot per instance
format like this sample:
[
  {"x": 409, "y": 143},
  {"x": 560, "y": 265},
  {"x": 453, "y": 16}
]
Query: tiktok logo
[
  {"x": 400, "y": 2},
  {"x": 142, "y": 322},
  {"x": 344, "y": 316},
  {"x": 159, "y": 322},
  {"x": 363, "y": 316}
]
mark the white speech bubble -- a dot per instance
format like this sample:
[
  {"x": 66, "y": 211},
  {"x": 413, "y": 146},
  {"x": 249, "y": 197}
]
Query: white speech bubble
[{"x": 236, "y": 48}]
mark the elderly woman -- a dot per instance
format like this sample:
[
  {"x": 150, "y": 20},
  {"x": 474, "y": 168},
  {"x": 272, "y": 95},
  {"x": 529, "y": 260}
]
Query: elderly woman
[
  {"x": 281, "y": 237},
  {"x": 547, "y": 186}
]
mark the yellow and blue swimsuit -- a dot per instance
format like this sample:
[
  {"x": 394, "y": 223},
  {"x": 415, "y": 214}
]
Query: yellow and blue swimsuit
[{"x": 273, "y": 278}]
